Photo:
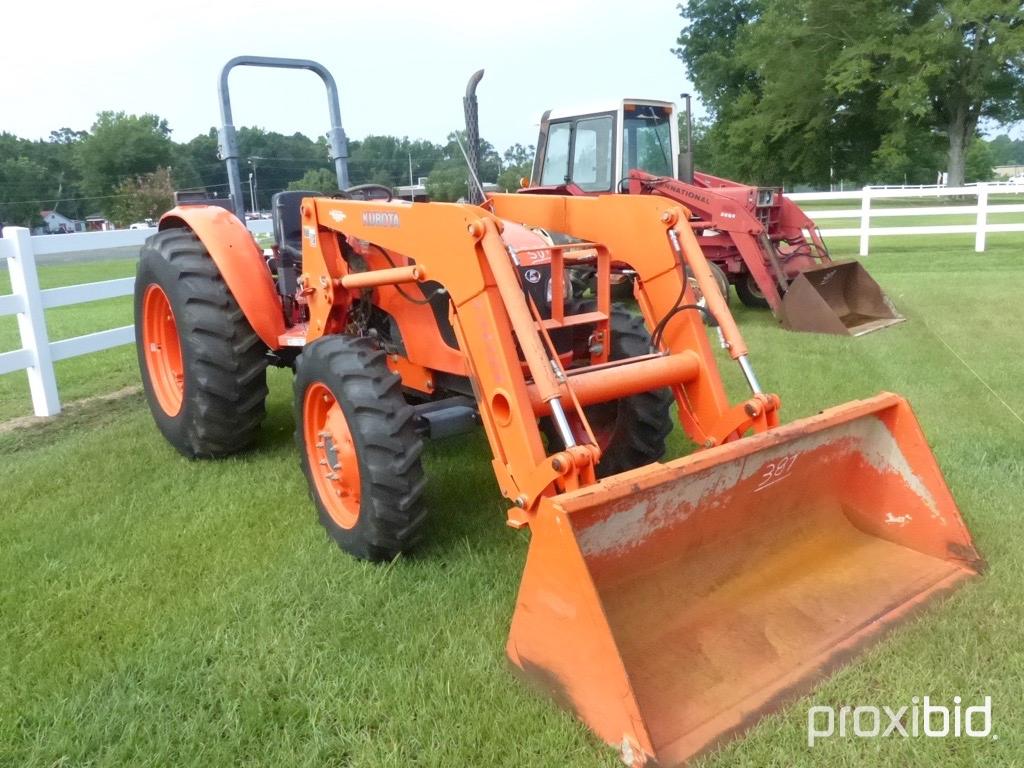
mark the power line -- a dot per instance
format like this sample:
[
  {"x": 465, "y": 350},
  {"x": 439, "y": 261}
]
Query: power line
[
  {"x": 94, "y": 197},
  {"x": 63, "y": 199}
]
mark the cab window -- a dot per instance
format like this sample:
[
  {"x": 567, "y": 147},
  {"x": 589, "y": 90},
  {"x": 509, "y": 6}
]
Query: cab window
[
  {"x": 556, "y": 158},
  {"x": 592, "y": 154},
  {"x": 647, "y": 140}
]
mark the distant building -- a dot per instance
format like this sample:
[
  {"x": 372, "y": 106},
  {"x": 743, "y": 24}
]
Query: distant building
[
  {"x": 57, "y": 223},
  {"x": 417, "y": 191},
  {"x": 1008, "y": 171},
  {"x": 97, "y": 222}
]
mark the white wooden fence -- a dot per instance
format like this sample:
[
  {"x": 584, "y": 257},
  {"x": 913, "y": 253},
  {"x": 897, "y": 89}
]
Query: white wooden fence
[
  {"x": 26, "y": 300},
  {"x": 981, "y": 210}
]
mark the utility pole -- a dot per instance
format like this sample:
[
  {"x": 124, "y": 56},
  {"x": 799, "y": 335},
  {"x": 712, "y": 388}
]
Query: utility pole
[
  {"x": 412, "y": 189},
  {"x": 254, "y": 182},
  {"x": 252, "y": 195}
]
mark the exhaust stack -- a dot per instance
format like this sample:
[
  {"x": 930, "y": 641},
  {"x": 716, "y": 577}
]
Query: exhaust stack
[{"x": 472, "y": 111}]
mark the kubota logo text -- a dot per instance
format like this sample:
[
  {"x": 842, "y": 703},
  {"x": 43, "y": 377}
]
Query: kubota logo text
[
  {"x": 920, "y": 718},
  {"x": 380, "y": 219}
]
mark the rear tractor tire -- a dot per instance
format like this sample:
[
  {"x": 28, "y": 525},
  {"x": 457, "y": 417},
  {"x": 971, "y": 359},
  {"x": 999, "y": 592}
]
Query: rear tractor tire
[
  {"x": 203, "y": 367},
  {"x": 360, "y": 452}
]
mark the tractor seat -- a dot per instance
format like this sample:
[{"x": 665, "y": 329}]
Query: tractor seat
[{"x": 288, "y": 224}]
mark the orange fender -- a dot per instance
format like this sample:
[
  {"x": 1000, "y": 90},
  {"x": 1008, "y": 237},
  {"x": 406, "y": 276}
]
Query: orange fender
[{"x": 240, "y": 262}]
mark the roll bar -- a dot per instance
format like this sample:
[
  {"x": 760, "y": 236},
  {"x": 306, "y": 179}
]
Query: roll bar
[{"x": 227, "y": 141}]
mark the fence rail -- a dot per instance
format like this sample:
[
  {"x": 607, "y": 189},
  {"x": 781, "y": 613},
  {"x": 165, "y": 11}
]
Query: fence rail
[
  {"x": 981, "y": 210},
  {"x": 28, "y": 302}
]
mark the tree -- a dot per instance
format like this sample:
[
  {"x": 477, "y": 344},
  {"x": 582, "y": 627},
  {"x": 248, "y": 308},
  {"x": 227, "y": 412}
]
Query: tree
[
  {"x": 449, "y": 178},
  {"x": 1007, "y": 151},
  {"x": 141, "y": 197},
  {"x": 67, "y": 136},
  {"x": 950, "y": 64},
  {"x": 58, "y": 155},
  {"x": 762, "y": 69},
  {"x": 317, "y": 180},
  {"x": 120, "y": 147},
  {"x": 979, "y": 161},
  {"x": 907, "y": 155},
  {"x": 388, "y": 160},
  {"x": 819, "y": 90},
  {"x": 201, "y": 152},
  {"x": 517, "y": 165},
  {"x": 41, "y": 173},
  {"x": 490, "y": 160},
  {"x": 517, "y": 154},
  {"x": 709, "y": 46},
  {"x": 23, "y": 186},
  {"x": 448, "y": 181}
]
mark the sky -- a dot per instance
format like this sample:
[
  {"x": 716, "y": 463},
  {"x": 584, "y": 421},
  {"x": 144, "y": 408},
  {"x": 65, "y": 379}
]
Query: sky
[{"x": 401, "y": 66}]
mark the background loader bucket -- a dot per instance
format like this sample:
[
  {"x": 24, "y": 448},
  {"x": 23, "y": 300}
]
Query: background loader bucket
[
  {"x": 840, "y": 298},
  {"x": 672, "y": 606}
]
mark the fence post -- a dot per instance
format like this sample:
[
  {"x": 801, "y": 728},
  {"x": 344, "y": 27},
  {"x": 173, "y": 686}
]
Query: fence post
[
  {"x": 865, "y": 219},
  {"x": 982, "y": 221},
  {"x": 42, "y": 382}
]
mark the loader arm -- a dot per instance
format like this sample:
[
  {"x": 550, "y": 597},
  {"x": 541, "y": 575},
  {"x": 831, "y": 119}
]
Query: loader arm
[{"x": 514, "y": 374}]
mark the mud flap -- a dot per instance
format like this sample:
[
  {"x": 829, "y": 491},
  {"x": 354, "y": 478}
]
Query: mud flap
[
  {"x": 840, "y": 298},
  {"x": 673, "y": 606}
]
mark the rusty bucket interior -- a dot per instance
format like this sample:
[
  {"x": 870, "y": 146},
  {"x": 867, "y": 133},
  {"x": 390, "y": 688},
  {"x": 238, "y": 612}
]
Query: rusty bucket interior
[
  {"x": 672, "y": 606},
  {"x": 840, "y": 298}
]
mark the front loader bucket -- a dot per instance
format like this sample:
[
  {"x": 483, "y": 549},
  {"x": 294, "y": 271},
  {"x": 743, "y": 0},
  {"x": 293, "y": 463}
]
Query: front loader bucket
[
  {"x": 672, "y": 606},
  {"x": 841, "y": 298}
]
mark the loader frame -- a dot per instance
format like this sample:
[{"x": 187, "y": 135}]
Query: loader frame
[{"x": 462, "y": 248}]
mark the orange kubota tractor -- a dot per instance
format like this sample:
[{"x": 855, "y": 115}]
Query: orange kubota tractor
[
  {"x": 669, "y": 604},
  {"x": 755, "y": 238}
]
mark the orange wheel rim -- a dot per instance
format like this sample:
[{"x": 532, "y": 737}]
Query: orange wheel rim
[
  {"x": 162, "y": 350},
  {"x": 331, "y": 455}
]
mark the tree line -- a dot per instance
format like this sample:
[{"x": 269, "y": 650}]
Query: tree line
[
  {"x": 127, "y": 167},
  {"x": 818, "y": 91}
]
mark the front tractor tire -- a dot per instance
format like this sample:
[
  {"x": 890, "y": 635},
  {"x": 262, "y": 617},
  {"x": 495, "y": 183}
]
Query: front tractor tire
[
  {"x": 750, "y": 292},
  {"x": 360, "y": 451},
  {"x": 203, "y": 367}
]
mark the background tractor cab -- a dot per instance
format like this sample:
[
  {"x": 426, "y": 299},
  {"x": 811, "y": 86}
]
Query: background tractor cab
[
  {"x": 595, "y": 149},
  {"x": 755, "y": 238}
]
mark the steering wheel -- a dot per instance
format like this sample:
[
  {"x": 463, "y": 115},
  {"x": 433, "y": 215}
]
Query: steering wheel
[{"x": 366, "y": 192}]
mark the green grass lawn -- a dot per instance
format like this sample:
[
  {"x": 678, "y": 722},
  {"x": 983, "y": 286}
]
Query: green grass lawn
[{"x": 158, "y": 611}]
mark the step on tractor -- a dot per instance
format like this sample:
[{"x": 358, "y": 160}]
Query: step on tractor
[
  {"x": 755, "y": 238},
  {"x": 669, "y": 603}
]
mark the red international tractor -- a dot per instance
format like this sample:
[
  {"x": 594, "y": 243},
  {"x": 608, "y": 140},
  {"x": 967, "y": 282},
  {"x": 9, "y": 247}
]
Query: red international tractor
[
  {"x": 757, "y": 239},
  {"x": 668, "y": 602}
]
